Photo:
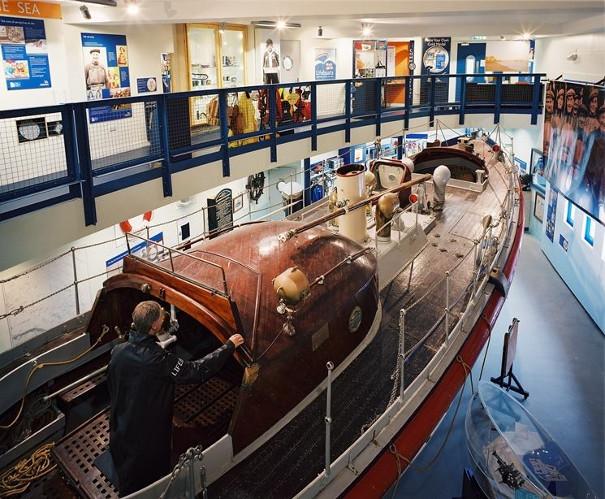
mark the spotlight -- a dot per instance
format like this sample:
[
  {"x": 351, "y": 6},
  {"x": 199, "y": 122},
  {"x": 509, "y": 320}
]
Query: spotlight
[
  {"x": 85, "y": 12},
  {"x": 366, "y": 30},
  {"x": 281, "y": 24},
  {"x": 132, "y": 7},
  {"x": 526, "y": 36},
  {"x": 320, "y": 31}
]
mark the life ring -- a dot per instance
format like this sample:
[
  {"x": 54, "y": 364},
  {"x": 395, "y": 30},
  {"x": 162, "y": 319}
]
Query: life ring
[{"x": 126, "y": 226}]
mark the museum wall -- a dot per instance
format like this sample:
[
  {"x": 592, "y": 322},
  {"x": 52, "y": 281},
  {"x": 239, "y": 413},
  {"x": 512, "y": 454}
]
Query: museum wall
[{"x": 580, "y": 264}]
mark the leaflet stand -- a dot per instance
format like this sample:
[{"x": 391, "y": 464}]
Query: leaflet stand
[{"x": 508, "y": 355}]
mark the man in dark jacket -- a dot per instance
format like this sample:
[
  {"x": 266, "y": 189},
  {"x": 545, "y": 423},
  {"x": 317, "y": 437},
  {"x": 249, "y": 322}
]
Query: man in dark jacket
[{"x": 141, "y": 378}]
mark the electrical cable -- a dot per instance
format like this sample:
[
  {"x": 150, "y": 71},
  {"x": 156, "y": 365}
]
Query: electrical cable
[{"x": 42, "y": 365}]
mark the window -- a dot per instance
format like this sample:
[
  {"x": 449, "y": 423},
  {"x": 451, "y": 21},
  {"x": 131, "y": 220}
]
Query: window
[
  {"x": 571, "y": 213},
  {"x": 589, "y": 230}
]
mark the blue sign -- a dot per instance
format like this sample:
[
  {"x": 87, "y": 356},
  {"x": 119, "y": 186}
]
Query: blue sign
[
  {"x": 551, "y": 215},
  {"x": 158, "y": 238},
  {"x": 563, "y": 242},
  {"x": 24, "y": 53},
  {"x": 146, "y": 85},
  {"x": 106, "y": 75},
  {"x": 325, "y": 64}
]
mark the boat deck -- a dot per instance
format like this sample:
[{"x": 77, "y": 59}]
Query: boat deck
[{"x": 295, "y": 456}]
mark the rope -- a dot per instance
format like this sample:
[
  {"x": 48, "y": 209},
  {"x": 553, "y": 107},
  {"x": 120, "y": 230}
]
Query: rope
[
  {"x": 16, "y": 480},
  {"x": 20, "y": 309},
  {"x": 36, "y": 267},
  {"x": 42, "y": 365},
  {"x": 426, "y": 467},
  {"x": 489, "y": 339}
]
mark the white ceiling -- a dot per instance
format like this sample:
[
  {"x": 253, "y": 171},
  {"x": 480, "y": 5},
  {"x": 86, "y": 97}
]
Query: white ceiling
[{"x": 389, "y": 18}]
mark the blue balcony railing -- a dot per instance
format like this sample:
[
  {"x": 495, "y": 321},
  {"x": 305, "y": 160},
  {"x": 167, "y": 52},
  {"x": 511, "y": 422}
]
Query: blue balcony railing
[{"x": 88, "y": 149}]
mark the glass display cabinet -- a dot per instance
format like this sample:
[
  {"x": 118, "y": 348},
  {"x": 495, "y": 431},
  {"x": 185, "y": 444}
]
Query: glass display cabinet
[{"x": 215, "y": 59}]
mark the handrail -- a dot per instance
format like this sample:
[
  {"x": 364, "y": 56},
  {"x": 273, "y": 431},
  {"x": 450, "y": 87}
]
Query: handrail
[
  {"x": 225, "y": 291},
  {"x": 89, "y": 166}
]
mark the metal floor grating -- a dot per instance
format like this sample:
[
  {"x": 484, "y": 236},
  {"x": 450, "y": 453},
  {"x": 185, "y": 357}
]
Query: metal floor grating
[
  {"x": 76, "y": 453},
  {"x": 203, "y": 410}
]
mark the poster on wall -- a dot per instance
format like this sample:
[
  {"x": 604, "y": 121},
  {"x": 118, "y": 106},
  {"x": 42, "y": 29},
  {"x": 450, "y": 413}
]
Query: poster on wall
[
  {"x": 325, "y": 64},
  {"x": 24, "y": 53},
  {"x": 574, "y": 143},
  {"x": 436, "y": 61},
  {"x": 147, "y": 85},
  {"x": 106, "y": 74},
  {"x": 436, "y": 55},
  {"x": 507, "y": 56},
  {"x": 551, "y": 214}
]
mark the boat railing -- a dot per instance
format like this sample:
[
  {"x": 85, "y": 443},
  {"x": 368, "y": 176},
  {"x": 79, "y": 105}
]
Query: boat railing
[
  {"x": 189, "y": 266},
  {"x": 164, "y": 257},
  {"x": 485, "y": 252}
]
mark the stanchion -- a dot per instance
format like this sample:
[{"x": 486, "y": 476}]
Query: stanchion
[{"x": 328, "y": 418}]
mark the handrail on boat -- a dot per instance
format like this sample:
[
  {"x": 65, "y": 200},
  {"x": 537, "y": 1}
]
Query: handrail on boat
[{"x": 149, "y": 242}]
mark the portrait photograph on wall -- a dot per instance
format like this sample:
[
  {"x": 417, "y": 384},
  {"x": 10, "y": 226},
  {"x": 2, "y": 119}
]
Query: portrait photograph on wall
[
  {"x": 106, "y": 74},
  {"x": 574, "y": 144}
]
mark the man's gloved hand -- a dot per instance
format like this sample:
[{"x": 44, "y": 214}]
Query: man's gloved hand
[{"x": 237, "y": 340}]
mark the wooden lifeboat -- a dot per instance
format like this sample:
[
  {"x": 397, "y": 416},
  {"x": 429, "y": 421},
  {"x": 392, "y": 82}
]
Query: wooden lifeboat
[{"x": 225, "y": 285}]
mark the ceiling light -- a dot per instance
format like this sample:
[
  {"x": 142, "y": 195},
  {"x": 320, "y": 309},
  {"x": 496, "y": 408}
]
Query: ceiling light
[
  {"x": 366, "y": 29},
  {"x": 274, "y": 25},
  {"x": 132, "y": 8},
  {"x": 526, "y": 36}
]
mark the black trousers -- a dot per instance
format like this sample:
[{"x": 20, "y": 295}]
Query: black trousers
[{"x": 271, "y": 78}]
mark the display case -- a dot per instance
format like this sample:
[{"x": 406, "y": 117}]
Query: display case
[{"x": 215, "y": 59}]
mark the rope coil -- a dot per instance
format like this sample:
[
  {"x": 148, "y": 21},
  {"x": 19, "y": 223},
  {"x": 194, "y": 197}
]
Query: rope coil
[{"x": 16, "y": 480}]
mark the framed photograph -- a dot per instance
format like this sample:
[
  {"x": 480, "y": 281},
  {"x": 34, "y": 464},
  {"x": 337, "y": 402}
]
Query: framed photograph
[
  {"x": 539, "y": 207},
  {"x": 238, "y": 202}
]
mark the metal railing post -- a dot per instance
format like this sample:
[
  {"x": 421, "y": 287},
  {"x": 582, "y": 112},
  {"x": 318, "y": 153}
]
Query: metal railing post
[
  {"x": 313, "y": 117},
  {"x": 498, "y": 99},
  {"x": 328, "y": 418},
  {"x": 224, "y": 126},
  {"x": 378, "y": 105},
  {"x": 535, "y": 99},
  {"x": 271, "y": 91},
  {"x": 83, "y": 145},
  {"x": 462, "y": 100},
  {"x": 447, "y": 307},
  {"x": 348, "y": 97},
  {"x": 432, "y": 101},
  {"x": 76, "y": 291},
  {"x": 402, "y": 313},
  {"x": 162, "y": 116}
]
